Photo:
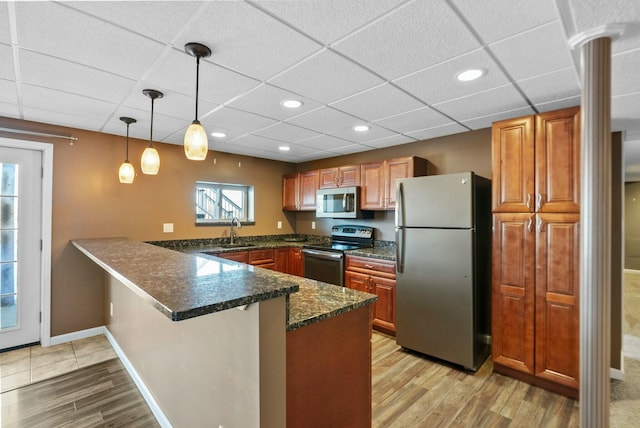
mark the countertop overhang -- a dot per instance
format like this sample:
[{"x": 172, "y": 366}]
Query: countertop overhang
[{"x": 184, "y": 285}]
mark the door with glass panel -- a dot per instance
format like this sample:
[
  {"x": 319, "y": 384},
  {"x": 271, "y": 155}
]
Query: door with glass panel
[{"x": 20, "y": 235}]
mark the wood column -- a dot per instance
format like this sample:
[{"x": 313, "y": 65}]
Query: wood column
[{"x": 595, "y": 234}]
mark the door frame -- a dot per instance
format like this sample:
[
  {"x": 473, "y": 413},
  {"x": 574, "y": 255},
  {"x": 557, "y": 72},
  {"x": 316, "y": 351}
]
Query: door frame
[{"x": 45, "y": 255}]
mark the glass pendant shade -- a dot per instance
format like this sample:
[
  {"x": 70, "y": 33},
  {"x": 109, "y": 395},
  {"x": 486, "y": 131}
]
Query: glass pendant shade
[
  {"x": 126, "y": 173},
  {"x": 150, "y": 161},
  {"x": 196, "y": 143}
]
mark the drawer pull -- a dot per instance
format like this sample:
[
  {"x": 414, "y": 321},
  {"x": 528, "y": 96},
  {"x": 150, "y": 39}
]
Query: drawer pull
[{"x": 368, "y": 266}]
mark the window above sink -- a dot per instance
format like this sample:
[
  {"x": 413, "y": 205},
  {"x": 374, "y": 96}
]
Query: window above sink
[{"x": 219, "y": 203}]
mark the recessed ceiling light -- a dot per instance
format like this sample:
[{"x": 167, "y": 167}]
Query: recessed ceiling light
[
  {"x": 471, "y": 74},
  {"x": 291, "y": 103},
  {"x": 218, "y": 134},
  {"x": 284, "y": 148},
  {"x": 361, "y": 128}
]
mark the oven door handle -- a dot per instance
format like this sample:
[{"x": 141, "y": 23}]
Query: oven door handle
[{"x": 323, "y": 254}]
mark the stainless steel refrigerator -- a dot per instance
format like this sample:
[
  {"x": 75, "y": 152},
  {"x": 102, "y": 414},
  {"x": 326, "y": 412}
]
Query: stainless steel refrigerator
[{"x": 443, "y": 267}]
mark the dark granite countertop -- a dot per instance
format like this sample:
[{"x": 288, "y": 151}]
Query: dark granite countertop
[
  {"x": 183, "y": 285},
  {"x": 383, "y": 253}
]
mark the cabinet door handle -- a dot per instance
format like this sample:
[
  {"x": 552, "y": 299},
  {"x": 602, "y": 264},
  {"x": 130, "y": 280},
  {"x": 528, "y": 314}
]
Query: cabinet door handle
[
  {"x": 540, "y": 224},
  {"x": 530, "y": 224},
  {"x": 539, "y": 202},
  {"x": 528, "y": 203}
]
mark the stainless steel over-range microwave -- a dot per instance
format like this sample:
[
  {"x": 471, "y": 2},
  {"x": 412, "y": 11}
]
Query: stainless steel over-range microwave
[{"x": 343, "y": 202}]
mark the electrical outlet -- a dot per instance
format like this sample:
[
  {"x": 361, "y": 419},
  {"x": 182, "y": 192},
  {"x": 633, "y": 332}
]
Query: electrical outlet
[
  {"x": 111, "y": 308},
  {"x": 313, "y": 225},
  {"x": 279, "y": 225},
  {"x": 167, "y": 227}
]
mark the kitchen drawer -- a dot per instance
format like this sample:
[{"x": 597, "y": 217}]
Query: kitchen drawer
[
  {"x": 382, "y": 268},
  {"x": 261, "y": 257},
  {"x": 238, "y": 256}
]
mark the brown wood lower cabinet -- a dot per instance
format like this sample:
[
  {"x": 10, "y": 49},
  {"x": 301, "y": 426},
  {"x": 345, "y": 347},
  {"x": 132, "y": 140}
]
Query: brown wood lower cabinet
[
  {"x": 535, "y": 299},
  {"x": 295, "y": 262},
  {"x": 376, "y": 277},
  {"x": 286, "y": 260},
  {"x": 329, "y": 372}
]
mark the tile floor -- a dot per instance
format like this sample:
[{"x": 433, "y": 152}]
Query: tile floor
[{"x": 28, "y": 365}]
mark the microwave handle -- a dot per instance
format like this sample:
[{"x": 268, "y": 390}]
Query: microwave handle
[{"x": 344, "y": 201}]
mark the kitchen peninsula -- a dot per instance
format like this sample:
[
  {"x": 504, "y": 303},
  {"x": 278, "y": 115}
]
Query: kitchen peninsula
[{"x": 221, "y": 343}]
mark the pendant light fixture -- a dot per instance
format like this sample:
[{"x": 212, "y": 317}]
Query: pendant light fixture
[
  {"x": 196, "y": 144},
  {"x": 127, "y": 173},
  {"x": 150, "y": 161}
]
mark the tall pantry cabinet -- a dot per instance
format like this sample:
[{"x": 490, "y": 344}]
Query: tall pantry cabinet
[{"x": 536, "y": 222}]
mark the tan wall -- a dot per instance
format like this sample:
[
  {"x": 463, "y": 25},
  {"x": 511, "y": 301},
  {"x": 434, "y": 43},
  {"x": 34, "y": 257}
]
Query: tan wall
[
  {"x": 632, "y": 225},
  {"x": 469, "y": 151},
  {"x": 227, "y": 368},
  {"x": 89, "y": 201}
]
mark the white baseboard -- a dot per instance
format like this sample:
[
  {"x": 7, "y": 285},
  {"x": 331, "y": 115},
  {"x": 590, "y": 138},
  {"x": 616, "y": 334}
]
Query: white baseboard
[
  {"x": 617, "y": 374},
  {"x": 76, "y": 335},
  {"x": 632, "y": 271},
  {"x": 146, "y": 394}
]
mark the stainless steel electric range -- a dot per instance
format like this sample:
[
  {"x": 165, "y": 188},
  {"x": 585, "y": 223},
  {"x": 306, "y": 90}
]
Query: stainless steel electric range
[{"x": 326, "y": 262}]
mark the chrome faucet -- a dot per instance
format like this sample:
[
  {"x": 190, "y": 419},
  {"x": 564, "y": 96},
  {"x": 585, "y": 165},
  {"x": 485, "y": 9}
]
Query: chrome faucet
[{"x": 232, "y": 233}]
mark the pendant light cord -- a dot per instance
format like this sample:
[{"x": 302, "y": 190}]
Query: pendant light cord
[
  {"x": 197, "y": 84},
  {"x": 127, "y": 150},
  {"x": 151, "y": 130}
]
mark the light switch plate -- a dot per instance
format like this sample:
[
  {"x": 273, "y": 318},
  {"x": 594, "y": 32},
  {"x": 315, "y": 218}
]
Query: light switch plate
[
  {"x": 279, "y": 225},
  {"x": 167, "y": 227},
  {"x": 313, "y": 225}
]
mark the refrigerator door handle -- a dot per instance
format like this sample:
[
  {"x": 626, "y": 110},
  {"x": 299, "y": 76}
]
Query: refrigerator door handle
[
  {"x": 399, "y": 205},
  {"x": 399, "y": 249}
]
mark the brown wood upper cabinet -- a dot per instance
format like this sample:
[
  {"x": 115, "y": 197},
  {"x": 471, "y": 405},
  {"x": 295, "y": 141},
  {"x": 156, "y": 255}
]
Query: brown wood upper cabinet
[
  {"x": 341, "y": 176},
  {"x": 536, "y": 163},
  {"x": 378, "y": 180},
  {"x": 299, "y": 191}
]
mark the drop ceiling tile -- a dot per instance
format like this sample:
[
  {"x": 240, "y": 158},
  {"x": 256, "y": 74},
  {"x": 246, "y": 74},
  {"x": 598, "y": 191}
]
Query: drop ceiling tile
[
  {"x": 58, "y": 31},
  {"x": 5, "y": 35},
  {"x": 624, "y": 73},
  {"x": 65, "y": 103},
  {"x": 324, "y": 142},
  {"x": 499, "y": 19},
  {"x": 235, "y": 121},
  {"x": 394, "y": 140},
  {"x": 176, "y": 70},
  {"x": 160, "y": 20},
  {"x": 164, "y": 127},
  {"x": 415, "y": 36},
  {"x": 552, "y": 86},
  {"x": 379, "y": 102},
  {"x": 558, "y": 104},
  {"x": 486, "y": 121},
  {"x": 503, "y": 98},
  {"x": 257, "y": 142},
  {"x": 625, "y": 113},
  {"x": 351, "y": 148},
  {"x": 266, "y": 101},
  {"x": 324, "y": 120},
  {"x": 288, "y": 133},
  {"x": 9, "y": 110},
  {"x": 589, "y": 14},
  {"x": 55, "y": 73},
  {"x": 6, "y": 65},
  {"x": 438, "y": 83},
  {"x": 171, "y": 104},
  {"x": 439, "y": 131},
  {"x": 61, "y": 118},
  {"x": 328, "y": 20},
  {"x": 8, "y": 92},
  {"x": 374, "y": 133},
  {"x": 539, "y": 51},
  {"x": 247, "y": 40},
  {"x": 415, "y": 120},
  {"x": 326, "y": 77}
]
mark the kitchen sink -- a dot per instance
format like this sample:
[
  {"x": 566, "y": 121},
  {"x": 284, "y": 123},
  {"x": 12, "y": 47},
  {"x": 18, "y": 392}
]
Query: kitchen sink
[{"x": 234, "y": 245}]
